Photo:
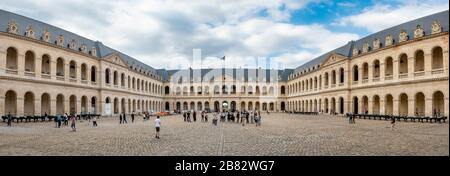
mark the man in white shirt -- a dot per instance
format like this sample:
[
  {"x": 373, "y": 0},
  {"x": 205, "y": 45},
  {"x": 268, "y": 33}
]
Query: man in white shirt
[{"x": 157, "y": 126}]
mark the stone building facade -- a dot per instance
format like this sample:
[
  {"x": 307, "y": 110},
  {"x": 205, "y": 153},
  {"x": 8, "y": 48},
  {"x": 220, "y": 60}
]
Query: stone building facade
[{"x": 402, "y": 70}]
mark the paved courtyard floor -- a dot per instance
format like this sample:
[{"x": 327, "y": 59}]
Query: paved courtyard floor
[{"x": 279, "y": 134}]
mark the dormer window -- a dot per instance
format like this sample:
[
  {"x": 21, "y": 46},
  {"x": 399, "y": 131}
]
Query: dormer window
[
  {"x": 72, "y": 44},
  {"x": 94, "y": 51},
  {"x": 83, "y": 48},
  {"x": 13, "y": 28},
  {"x": 30, "y": 32},
  {"x": 46, "y": 36},
  {"x": 59, "y": 40}
]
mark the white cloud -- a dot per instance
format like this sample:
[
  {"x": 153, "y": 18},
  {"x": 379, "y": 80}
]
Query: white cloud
[
  {"x": 382, "y": 16},
  {"x": 162, "y": 34}
]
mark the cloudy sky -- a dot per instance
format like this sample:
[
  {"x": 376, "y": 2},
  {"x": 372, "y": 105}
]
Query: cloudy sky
[{"x": 163, "y": 34}]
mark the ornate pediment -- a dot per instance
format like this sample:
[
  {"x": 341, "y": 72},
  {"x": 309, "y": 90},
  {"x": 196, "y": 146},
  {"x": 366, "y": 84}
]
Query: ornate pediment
[
  {"x": 116, "y": 59},
  {"x": 333, "y": 58},
  {"x": 12, "y": 27},
  {"x": 419, "y": 32},
  {"x": 436, "y": 27}
]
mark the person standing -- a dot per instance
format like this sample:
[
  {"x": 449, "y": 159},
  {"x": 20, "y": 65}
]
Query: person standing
[
  {"x": 56, "y": 121},
  {"x": 132, "y": 117},
  {"x": 157, "y": 126},
  {"x": 184, "y": 116},
  {"x": 9, "y": 119},
  {"x": 206, "y": 117},
  {"x": 73, "y": 119},
  {"x": 189, "y": 116},
  {"x": 203, "y": 116},
  {"x": 45, "y": 116},
  {"x": 120, "y": 118},
  {"x": 66, "y": 119},
  {"x": 194, "y": 115}
]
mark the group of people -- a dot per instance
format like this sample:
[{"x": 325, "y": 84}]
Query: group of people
[
  {"x": 123, "y": 118},
  {"x": 73, "y": 119},
  {"x": 253, "y": 117}
]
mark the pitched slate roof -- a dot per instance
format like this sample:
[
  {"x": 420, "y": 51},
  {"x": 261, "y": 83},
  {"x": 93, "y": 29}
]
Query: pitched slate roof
[
  {"x": 248, "y": 74},
  {"x": 39, "y": 27},
  {"x": 409, "y": 27}
]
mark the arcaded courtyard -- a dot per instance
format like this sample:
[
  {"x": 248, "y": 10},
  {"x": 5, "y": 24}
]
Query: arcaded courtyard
[{"x": 279, "y": 134}]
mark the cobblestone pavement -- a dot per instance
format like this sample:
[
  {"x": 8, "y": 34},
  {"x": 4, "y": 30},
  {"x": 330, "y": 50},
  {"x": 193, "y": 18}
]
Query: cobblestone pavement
[{"x": 279, "y": 134}]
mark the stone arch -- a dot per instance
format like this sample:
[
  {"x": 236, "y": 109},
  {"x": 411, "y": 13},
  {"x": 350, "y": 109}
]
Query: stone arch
[
  {"x": 60, "y": 104},
  {"x": 403, "y": 104},
  {"x": 45, "y": 103},
  {"x": 28, "y": 104},
  {"x": 437, "y": 58},
  {"x": 30, "y": 60},
  {"x": 419, "y": 104},
  {"x": 11, "y": 58},
  {"x": 11, "y": 102},
  {"x": 438, "y": 103}
]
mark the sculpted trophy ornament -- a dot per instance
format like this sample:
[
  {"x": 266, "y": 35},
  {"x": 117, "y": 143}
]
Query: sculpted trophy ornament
[
  {"x": 376, "y": 44},
  {"x": 403, "y": 36},
  {"x": 365, "y": 48},
  {"x": 418, "y": 32},
  {"x": 389, "y": 40},
  {"x": 355, "y": 51},
  {"x": 436, "y": 27}
]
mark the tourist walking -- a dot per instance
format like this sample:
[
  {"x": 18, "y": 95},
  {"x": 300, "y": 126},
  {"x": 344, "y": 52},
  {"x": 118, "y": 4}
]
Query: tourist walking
[
  {"x": 94, "y": 121},
  {"x": 206, "y": 117},
  {"x": 125, "y": 118},
  {"x": 132, "y": 117},
  {"x": 392, "y": 123},
  {"x": 157, "y": 126},
  {"x": 73, "y": 119},
  {"x": 120, "y": 118},
  {"x": 257, "y": 120},
  {"x": 349, "y": 118},
  {"x": 9, "y": 119},
  {"x": 184, "y": 116},
  {"x": 59, "y": 121}
]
